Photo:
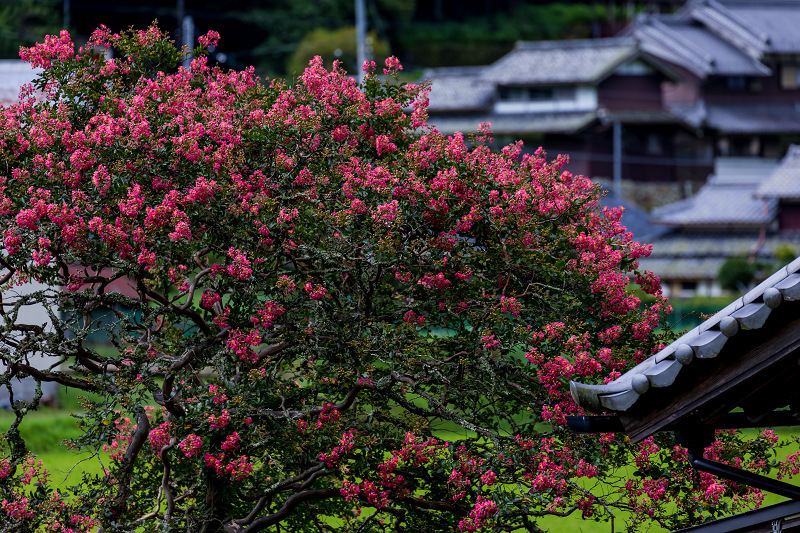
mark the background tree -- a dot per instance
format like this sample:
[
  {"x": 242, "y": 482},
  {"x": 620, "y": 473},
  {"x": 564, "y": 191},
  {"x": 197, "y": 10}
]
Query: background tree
[
  {"x": 337, "y": 45},
  {"x": 23, "y": 22},
  {"x": 342, "y": 318}
]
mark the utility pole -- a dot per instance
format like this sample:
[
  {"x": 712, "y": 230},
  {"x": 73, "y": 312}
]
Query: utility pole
[
  {"x": 66, "y": 14},
  {"x": 618, "y": 160},
  {"x": 187, "y": 38},
  {"x": 361, "y": 38},
  {"x": 180, "y": 12}
]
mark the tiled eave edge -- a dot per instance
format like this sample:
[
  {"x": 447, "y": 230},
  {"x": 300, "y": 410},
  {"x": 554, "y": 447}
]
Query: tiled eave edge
[{"x": 706, "y": 341}]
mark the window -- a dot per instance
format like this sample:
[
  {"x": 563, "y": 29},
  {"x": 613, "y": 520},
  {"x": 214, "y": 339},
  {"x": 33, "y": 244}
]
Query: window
[
  {"x": 790, "y": 75},
  {"x": 536, "y": 94},
  {"x": 635, "y": 68},
  {"x": 688, "y": 289},
  {"x": 736, "y": 83}
]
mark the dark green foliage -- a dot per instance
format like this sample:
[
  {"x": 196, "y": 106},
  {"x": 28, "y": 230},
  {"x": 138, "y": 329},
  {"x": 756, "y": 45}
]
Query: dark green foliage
[{"x": 736, "y": 273}]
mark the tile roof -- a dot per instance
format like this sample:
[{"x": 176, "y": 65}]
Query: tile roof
[
  {"x": 561, "y": 62},
  {"x": 784, "y": 182},
  {"x": 683, "y": 41},
  {"x": 721, "y": 21},
  {"x": 722, "y": 37},
  {"x": 14, "y": 73},
  {"x": 772, "y": 24},
  {"x": 692, "y": 268},
  {"x": 458, "y": 89},
  {"x": 718, "y": 244},
  {"x": 679, "y": 256},
  {"x": 743, "y": 170},
  {"x": 746, "y": 119},
  {"x": 705, "y": 342},
  {"x": 754, "y": 118},
  {"x": 719, "y": 205}
]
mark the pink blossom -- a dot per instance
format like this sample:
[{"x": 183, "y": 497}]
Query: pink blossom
[
  {"x": 241, "y": 267},
  {"x": 240, "y": 468},
  {"x": 209, "y": 40},
  {"x": 316, "y": 292},
  {"x": 219, "y": 422},
  {"x": 392, "y": 66},
  {"x": 209, "y": 299},
  {"x": 489, "y": 477},
  {"x": 483, "y": 511},
  {"x": 510, "y": 306},
  {"x": 159, "y": 437},
  {"x": 434, "y": 281},
  {"x": 232, "y": 443},
  {"x": 191, "y": 445},
  {"x": 18, "y": 509}
]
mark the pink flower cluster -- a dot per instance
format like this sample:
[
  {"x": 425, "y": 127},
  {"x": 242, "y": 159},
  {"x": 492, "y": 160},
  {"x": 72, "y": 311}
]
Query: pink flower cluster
[
  {"x": 159, "y": 437},
  {"x": 191, "y": 445},
  {"x": 480, "y": 516},
  {"x": 316, "y": 291},
  {"x": 240, "y": 343},
  {"x": 434, "y": 281},
  {"x": 345, "y": 445},
  {"x": 18, "y": 509},
  {"x": 241, "y": 266},
  {"x": 238, "y": 469},
  {"x": 219, "y": 422}
]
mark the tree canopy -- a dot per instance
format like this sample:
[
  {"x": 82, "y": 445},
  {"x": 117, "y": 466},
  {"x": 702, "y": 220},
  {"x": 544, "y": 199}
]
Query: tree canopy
[{"x": 333, "y": 316}]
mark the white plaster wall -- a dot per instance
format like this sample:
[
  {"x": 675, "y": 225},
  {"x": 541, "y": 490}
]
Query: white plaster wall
[{"x": 585, "y": 100}]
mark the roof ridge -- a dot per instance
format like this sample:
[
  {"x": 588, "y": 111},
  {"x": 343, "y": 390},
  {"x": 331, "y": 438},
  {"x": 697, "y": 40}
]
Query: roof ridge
[
  {"x": 454, "y": 71},
  {"x": 575, "y": 43},
  {"x": 720, "y": 21},
  {"x": 658, "y": 31}
]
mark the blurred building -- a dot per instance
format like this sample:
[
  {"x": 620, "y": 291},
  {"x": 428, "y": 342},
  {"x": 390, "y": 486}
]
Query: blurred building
[
  {"x": 566, "y": 96},
  {"x": 14, "y": 73},
  {"x": 718, "y": 78},
  {"x": 704, "y": 100}
]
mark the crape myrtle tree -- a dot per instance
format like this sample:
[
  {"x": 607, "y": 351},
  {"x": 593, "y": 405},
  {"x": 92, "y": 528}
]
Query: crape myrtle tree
[{"x": 337, "y": 317}]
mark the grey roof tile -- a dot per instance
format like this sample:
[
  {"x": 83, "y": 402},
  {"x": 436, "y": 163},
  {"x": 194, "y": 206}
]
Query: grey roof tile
[
  {"x": 751, "y": 119},
  {"x": 718, "y": 245},
  {"x": 746, "y": 119},
  {"x": 683, "y": 268},
  {"x": 708, "y": 340},
  {"x": 458, "y": 89},
  {"x": 561, "y": 62},
  {"x": 784, "y": 182},
  {"x": 743, "y": 170},
  {"x": 682, "y": 40},
  {"x": 728, "y": 199},
  {"x": 773, "y": 22},
  {"x": 721, "y": 205}
]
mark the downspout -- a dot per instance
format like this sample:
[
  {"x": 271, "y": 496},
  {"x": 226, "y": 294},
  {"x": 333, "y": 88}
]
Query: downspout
[
  {"x": 697, "y": 438},
  {"x": 762, "y": 235}
]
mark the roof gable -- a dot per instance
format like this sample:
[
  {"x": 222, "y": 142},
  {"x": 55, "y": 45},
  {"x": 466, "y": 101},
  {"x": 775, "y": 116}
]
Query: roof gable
[{"x": 784, "y": 181}]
